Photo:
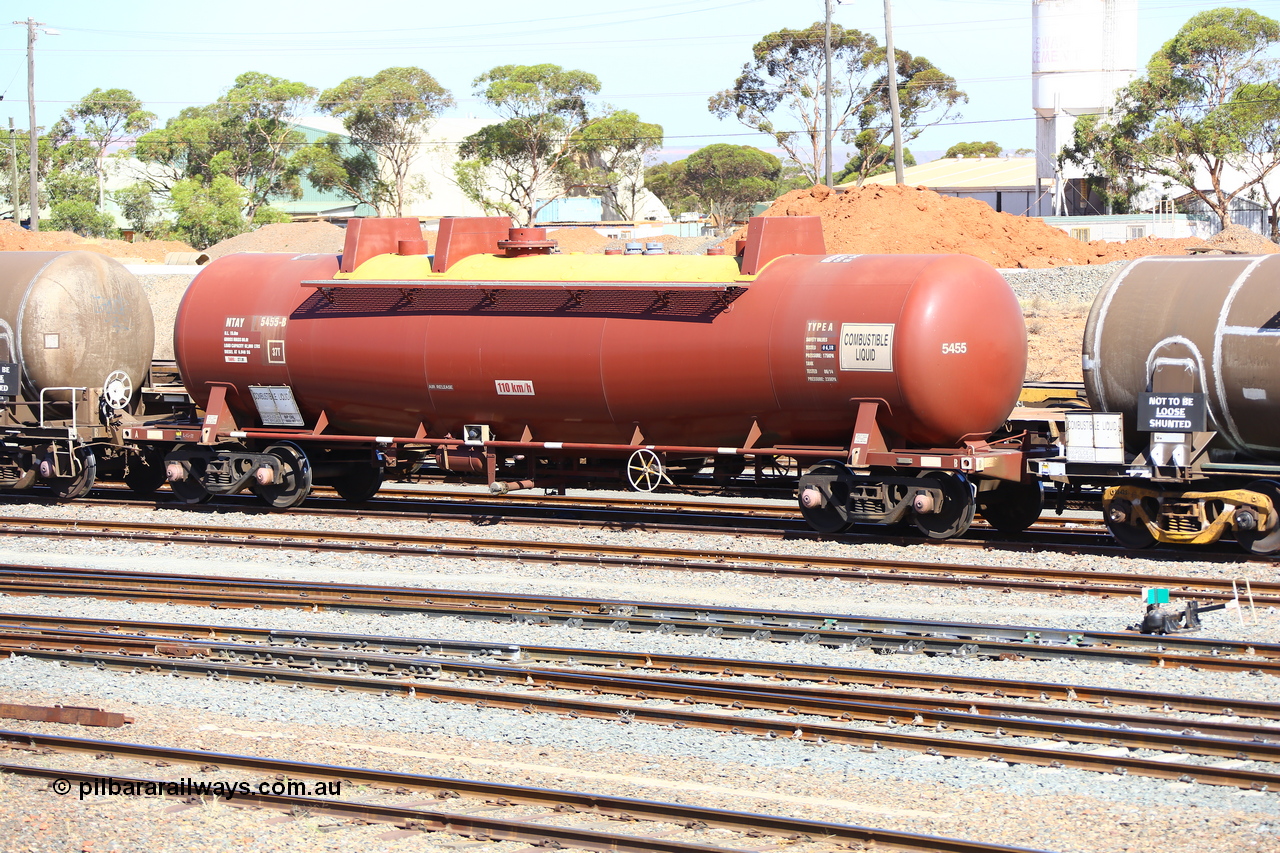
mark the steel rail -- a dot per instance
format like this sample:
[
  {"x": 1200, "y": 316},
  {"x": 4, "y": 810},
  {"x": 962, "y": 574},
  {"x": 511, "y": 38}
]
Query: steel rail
[
  {"x": 1118, "y": 730},
  {"x": 882, "y": 633},
  {"x": 1029, "y": 579},
  {"x": 572, "y": 802},
  {"x": 547, "y": 657},
  {"x": 987, "y": 749},
  {"x": 681, "y": 521}
]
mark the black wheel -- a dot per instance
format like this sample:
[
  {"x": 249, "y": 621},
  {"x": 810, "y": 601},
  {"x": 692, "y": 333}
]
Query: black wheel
[
  {"x": 956, "y": 513},
  {"x": 79, "y": 484},
  {"x": 823, "y": 492},
  {"x": 293, "y": 482},
  {"x": 360, "y": 483},
  {"x": 144, "y": 471},
  {"x": 1263, "y": 542},
  {"x": 190, "y": 489},
  {"x": 1125, "y": 528},
  {"x": 1012, "y": 507}
]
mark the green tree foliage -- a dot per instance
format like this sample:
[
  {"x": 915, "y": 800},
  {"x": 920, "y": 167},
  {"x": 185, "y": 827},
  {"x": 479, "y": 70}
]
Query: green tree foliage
[
  {"x": 44, "y": 163},
  {"x": 858, "y": 170},
  {"x": 1208, "y": 105},
  {"x": 926, "y": 96},
  {"x": 248, "y": 135},
  {"x": 104, "y": 117},
  {"x": 83, "y": 217},
  {"x": 668, "y": 182},
  {"x": 724, "y": 180},
  {"x": 781, "y": 92},
  {"x": 729, "y": 179},
  {"x": 549, "y": 144},
  {"x": 387, "y": 118},
  {"x": 70, "y": 186},
  {"x": 616, "y": 146},
  {"x": 973, "y": 149},
  {"x": 138, "y": 205},
  {"x": 208, "y": 211}
]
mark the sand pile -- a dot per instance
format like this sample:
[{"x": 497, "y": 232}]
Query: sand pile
[
  {"x": 578, "y": 239},
  {"x": 904, "y": 220},
  {"x": 1237, "y": 238},
  {"x": 299, "y": 238}
]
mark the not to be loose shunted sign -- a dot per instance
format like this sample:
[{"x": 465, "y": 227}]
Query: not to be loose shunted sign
[{"x": 1160, "y": 412}]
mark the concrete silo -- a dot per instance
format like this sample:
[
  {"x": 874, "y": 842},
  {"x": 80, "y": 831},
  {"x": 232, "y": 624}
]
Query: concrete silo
[{"x": 1082, "y": 51}]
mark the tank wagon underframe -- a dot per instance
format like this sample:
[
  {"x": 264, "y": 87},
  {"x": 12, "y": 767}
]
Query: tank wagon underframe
[{"x": 862, "y": 372}]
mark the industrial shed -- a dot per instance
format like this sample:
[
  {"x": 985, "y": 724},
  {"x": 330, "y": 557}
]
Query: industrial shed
[{"x": 1008, "y": 184}]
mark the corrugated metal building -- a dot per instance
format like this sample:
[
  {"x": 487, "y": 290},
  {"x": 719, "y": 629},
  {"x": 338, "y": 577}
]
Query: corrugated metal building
[{"x": 1008, "y": 184}]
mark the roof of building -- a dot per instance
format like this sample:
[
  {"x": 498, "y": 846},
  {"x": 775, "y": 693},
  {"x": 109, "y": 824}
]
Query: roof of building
[{"x": 966, "y": 173}]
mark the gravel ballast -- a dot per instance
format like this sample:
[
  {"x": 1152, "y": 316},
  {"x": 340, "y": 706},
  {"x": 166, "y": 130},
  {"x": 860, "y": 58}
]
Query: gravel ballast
[{"x": 1056, "y": 809}]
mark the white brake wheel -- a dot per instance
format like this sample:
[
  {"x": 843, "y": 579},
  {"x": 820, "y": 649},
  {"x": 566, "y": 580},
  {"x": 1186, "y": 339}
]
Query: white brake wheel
[
  {"x": 645, "y": 470},
  {"x": 118, "y": 389}
]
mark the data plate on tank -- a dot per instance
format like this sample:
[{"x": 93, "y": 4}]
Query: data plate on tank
[
  {"x": 276, "y": 405},
  {"x": 866, "y": 346}
]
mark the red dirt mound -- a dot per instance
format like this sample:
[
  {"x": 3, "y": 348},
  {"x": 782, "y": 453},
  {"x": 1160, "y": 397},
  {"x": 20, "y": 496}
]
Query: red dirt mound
[
  {"x": 906, "y": 220},
  {"x": 14, "y": 238}
]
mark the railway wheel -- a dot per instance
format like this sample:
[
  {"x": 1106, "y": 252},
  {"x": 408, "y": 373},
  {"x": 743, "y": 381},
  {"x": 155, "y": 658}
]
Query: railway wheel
[
  {"x": 1267, "y": 541},
  {"x": 144, "y": 471},
  {"x": 824, "y": 497},
  {"x": 189, "y": 489},
  {"x": 78, "y": 484},
  {"x": 645, "y": 471},
  {"x": 290, "y": 485},
  {"x": 1125, "y": 526},
  {"x": 955, "y": 514},
  {"x": 359, "y": 483},
  {"x": 1012, "y": 507}
]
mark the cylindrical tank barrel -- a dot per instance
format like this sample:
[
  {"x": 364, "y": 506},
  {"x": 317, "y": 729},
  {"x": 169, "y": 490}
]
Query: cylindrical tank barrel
[
  {"x": 1208, "y": 324},
  {"x": 938, "y": 340},
  {"x": 70, "y": 319}
]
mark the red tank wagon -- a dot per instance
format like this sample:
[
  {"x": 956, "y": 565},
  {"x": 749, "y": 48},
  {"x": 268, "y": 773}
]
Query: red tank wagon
[{"x": 883, "y": 376}]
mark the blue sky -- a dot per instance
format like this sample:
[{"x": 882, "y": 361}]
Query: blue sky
[{"x": 662, "y": 59}]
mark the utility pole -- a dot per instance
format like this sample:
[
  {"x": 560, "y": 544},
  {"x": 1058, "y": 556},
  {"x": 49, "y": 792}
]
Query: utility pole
[
  {"x": 13, "y": 171},
  {"x": 826, "y": 52},
  {"x": 33, "y": 197},
  {"x": 892, "y": 59}
]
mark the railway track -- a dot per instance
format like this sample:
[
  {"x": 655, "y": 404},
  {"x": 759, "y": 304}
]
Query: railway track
[
  {"x": 881, "y": 635},
  {"x": 738, "y": 518},
  {"x": 545, "y": 817},
  {"x": 821, "y": 715},
  {"x": 951, "y": 691},
  {"x": 1001, "y": 578}
]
